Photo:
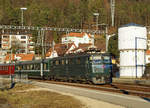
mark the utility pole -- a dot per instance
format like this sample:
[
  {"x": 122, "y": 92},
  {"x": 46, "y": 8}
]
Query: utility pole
[
  {"x": 22, "y": 9},
  {"x": 112, "y": 4},
  {"x": 43, "y": 54},
  {"x": 97, "y": 15}
]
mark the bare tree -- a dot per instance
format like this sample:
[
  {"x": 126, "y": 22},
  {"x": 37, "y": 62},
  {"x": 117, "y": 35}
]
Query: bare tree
[{"x": 15, "y": 44}]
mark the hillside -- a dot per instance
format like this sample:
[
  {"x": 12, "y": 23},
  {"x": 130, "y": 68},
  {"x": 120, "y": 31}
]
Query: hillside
[{"x": 73, "y": 13}]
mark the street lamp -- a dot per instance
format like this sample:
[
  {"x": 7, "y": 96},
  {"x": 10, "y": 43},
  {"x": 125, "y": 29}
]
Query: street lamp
[
  {"x": 22, "y": 9},
  {"x": 97, "y": 15}
]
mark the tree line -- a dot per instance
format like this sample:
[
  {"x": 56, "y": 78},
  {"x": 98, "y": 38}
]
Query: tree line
[{"x": 73, "y": 13}]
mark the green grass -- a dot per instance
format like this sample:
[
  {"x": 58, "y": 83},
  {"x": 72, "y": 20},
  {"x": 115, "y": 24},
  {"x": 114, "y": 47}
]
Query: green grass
[{"x": 15, "y": 98}]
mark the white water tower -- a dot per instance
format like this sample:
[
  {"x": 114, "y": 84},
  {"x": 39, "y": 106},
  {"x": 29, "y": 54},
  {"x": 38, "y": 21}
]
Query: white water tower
[{"x": 132, "y": 45}]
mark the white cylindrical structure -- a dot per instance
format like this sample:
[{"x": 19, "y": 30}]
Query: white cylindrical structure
[
  {"x": 129, "y": 34},
  {"x": 132, "y": 45}
]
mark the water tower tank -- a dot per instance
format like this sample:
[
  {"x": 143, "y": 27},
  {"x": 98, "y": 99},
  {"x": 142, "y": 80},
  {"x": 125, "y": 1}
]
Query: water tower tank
[{"x": 132, "y": 45}]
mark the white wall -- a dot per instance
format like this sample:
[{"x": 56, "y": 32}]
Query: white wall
[{"x": 77, "y": 40}]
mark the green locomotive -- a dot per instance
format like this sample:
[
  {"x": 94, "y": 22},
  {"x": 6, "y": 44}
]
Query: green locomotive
[{"x": 93, "y": 68}]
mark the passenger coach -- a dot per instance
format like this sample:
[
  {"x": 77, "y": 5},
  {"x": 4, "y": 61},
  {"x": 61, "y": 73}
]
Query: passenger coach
[{"x": 7, "y": 69}]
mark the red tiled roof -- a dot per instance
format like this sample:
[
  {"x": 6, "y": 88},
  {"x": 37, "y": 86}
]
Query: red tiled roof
[
  {"x": 76, "y": 35},
  {"x": 24, "y": 57},
  {"x": 49, "y": 52},
  {"x": 148, "y": 52},
  {"x": 61, "y": 49},
  {"x": 27, "y": 57},
  {"x": 9, "y": 57},
  {"x": 84, "y": 45}
]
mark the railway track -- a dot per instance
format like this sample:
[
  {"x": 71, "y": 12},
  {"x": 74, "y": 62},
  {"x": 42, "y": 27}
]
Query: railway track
[{"x": 136, "y": 90}]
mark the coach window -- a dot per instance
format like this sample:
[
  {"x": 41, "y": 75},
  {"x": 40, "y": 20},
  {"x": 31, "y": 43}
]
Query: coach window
[
  {"x": 38, "y": 66},
  {"x": 60, "y": 62},
  {"x": 63, "y": 62},
  {"x": 66, "y": 61},
  {"x": 6, "y": 68},
  {"x": 28, "y": 67},
  {"x": 87, "y": 60},
  {"x": 45, "y": 66},
  {"x": 78, "y": 61},
  {"x": 53, "y": 63},
  {"x": 57, "y": 62},
  {"x": 70, "y": 61}
]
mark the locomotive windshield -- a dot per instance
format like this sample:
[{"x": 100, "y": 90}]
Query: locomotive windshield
[
  {"x": 106, "y": 59},
  {"x": 97, "y": 59},
  {"x": 99, "y": 63}
]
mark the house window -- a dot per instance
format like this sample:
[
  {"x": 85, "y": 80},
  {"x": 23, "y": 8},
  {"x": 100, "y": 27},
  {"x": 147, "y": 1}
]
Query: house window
[
  {"x": 23, "y": 37},
  {"x": 5, "y": 36}
]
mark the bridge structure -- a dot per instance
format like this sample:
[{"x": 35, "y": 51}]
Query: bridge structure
[{"x": 12, "y": 27}]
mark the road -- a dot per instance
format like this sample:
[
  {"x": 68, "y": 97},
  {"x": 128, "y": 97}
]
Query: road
[{"x": 114, "y": 98}]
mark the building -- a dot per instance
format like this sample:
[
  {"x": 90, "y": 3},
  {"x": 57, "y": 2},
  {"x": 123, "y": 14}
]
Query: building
[
  {"x": 83, "y": 48},
  {"x": 148, "y": 37},
  {"x": 78, "y": 38},
  {"x": 18, "y": 57},
  {"x": 147, "y": 56},
  {"x": 60, "y": 50},
  {"x": 22, "y": 43},
  {"x": 2, "y": 55}
]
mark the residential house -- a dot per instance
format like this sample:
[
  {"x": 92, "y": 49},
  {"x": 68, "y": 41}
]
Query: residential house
[
  {"x": 18, "y": 57},
  {"x": 82, "y": 48},
  {"x": 60, "y": 50},
  {"x": 78, "y": 38},
  {"x": 2, "y": 55},
  {"x": 23, "y": 43}
]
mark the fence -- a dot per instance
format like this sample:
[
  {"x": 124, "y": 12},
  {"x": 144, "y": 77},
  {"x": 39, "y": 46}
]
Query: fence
[
  {"x": 5, "y": 81},
  {"x": 21, "y": 78},
  {"x": 147, "y": 72},
  {"x": 8, "y": 81},
  {"x": 115, "y": 72}
]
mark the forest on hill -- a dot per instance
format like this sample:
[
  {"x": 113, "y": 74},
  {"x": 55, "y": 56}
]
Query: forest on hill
[{"x": 74, "y": 14}]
